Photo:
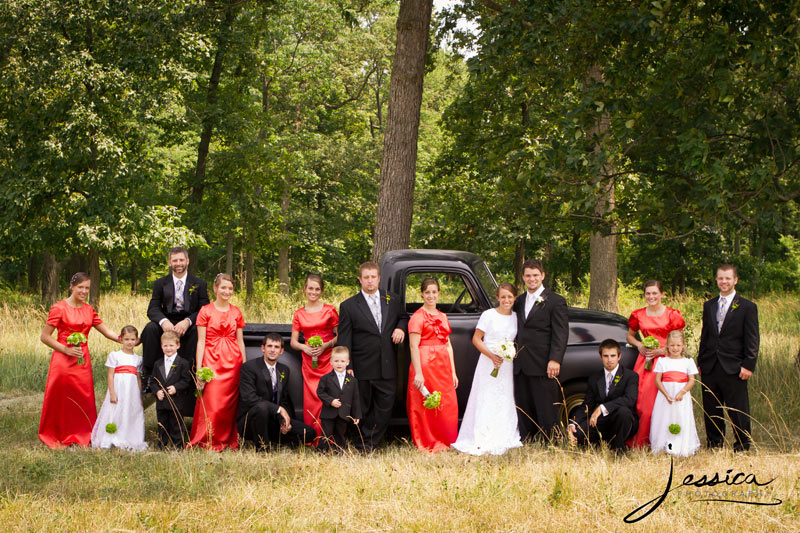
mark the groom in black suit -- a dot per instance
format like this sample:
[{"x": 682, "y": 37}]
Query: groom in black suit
[
  {"x": 176, "y": 300},
  {"x": 542, "y": 332},
  {"x": 370, "y": 326},
  {"x": 729, "y": 345},
  {"x": 265, "y": 408},
  {"x": 609, "y": 410}
]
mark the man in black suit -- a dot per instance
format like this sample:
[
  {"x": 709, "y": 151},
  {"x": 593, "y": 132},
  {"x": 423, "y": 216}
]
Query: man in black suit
[
  {"x": 370, "y": 327},
  {"x": 338, "y": 392},
  {"x": 171, "y": 381},
  {"x": 542, "y": 331},
  {"x": 609, "y": 410},
  {"x": 265, "y": 408},
  {"x": 729, "y": 345},
  {"x": 176, "y": 300}
]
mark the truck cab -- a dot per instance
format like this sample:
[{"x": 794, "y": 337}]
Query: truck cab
[{"x": 467, "y": 289}]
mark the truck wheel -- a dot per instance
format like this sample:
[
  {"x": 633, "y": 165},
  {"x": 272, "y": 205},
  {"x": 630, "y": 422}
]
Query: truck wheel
[{"x": 574, "y": 393}]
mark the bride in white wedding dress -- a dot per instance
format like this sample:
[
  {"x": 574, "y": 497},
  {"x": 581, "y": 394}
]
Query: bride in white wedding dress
[{"x": 490, "y": 420}]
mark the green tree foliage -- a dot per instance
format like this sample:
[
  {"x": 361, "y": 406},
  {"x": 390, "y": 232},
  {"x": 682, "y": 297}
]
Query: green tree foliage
[{"x": 700, "y": 101}]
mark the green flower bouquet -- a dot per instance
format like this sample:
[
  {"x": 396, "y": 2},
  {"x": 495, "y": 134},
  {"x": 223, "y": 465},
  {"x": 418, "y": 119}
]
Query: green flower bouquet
[
  {"x": 315, "y": 342},
  {"x": 76, "y": 339},
  {"x": 111, "y": 428},
  {"x": 651, "y": 343},
  {"x": 205, "y": 375},
  {"x": 675, "y": 429},
  {"x": 432, "y": 399}
]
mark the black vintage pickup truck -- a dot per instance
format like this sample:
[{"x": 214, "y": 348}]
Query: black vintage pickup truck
[{"x": 467, "y": 289}]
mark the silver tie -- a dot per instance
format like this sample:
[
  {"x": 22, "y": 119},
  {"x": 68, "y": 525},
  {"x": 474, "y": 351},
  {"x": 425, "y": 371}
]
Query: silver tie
[
  {"x": 609, "y": 377},
  {"x": 376, "y": 309},
  {"x": 272, "y": 374},
  {"x": 179, "y": 295},
  {"x": 720, "y": 313}
]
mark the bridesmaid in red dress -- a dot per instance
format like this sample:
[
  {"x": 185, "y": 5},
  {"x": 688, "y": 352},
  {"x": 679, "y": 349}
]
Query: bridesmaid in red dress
[
  {"x": 69, "y": 410},
  {"x": 657, "y": 320},
  {"x": 432, "y": 365},
  {"x": 220, "y": 347},
  {"x": 320, "y": 319}
]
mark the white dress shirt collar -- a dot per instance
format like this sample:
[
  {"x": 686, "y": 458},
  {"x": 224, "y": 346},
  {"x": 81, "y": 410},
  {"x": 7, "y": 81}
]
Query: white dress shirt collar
[
  {"x": 367, "y": 296},
  {"x": 729, "y": 298},
  {"x": 535, "y": 294}
]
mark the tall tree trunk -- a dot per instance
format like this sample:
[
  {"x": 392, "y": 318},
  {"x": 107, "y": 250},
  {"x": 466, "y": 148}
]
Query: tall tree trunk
[
  {"x": 94, "y": 274},
  {"x": 134, "y": 276},
  {"x": 229, "y": 253},
  {"x": 249, "y": 266},
  {"x": 603, "y": 256},
  {"x": 283, "y": 249},
  {"x": 34, "y": 267},
  {"x": 399, "y": 163},
  {"x": 208, "y": 121},
  {"x": 603, "y": 240},
  {"x": 50, "y": 274},
  {"x": 549, "y": 280},
  {"x": 113, "y": 268},
  {"x": 519, "y": 259},
  {"x": 575, "y": 263}
]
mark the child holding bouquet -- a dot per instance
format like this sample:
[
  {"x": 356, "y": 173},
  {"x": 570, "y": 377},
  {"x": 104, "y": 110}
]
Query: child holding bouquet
[
  {"x": 490, "y": 420},
  {"x": 672, "y": 427},
  {"x": 121, "y": 419}
]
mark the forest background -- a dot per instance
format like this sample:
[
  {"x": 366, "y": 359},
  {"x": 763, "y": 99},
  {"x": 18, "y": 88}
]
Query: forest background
[{"x": 617, "y": 141}]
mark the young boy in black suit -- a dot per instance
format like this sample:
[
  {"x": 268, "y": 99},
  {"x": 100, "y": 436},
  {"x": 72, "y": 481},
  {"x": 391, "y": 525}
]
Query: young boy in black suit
[
  {"x": 172, "y": 382},
  {"x": 340, "y": 400},
  {"x": 609, "y": 410}
]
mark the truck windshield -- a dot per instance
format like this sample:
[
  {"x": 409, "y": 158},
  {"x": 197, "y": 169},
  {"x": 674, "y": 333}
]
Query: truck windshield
[{"x": 487, "y": 281}]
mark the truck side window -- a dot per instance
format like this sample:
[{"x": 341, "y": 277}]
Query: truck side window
[{"x": 454, "y": 294}]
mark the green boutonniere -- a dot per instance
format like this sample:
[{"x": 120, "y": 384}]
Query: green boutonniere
[
  {"x": 617, "y": 378},
  {"x": 173, "y": 366},
  {"x": 192, "y": 289},
  {"x": 283, "y": 375},
  {"x": 346, "y": 380},
  {"x": 387, "y": 298},
  {"x": 734, "y": 305}
]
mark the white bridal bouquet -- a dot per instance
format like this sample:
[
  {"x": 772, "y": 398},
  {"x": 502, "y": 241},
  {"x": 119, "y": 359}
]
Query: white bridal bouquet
[{"x": 506, "y": 350}]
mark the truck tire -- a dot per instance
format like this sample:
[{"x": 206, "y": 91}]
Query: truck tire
[{"x": 574, "y": 393}]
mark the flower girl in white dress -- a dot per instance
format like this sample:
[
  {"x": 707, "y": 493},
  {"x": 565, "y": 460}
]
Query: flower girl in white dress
[
  {"x": 120, "y": 422},
  {"x": 672, "y": 427},
  {"x": 490, "y": 420}
]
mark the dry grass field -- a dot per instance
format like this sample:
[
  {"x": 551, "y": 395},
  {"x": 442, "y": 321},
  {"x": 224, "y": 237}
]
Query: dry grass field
[{"x": 397, "y": 488}]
